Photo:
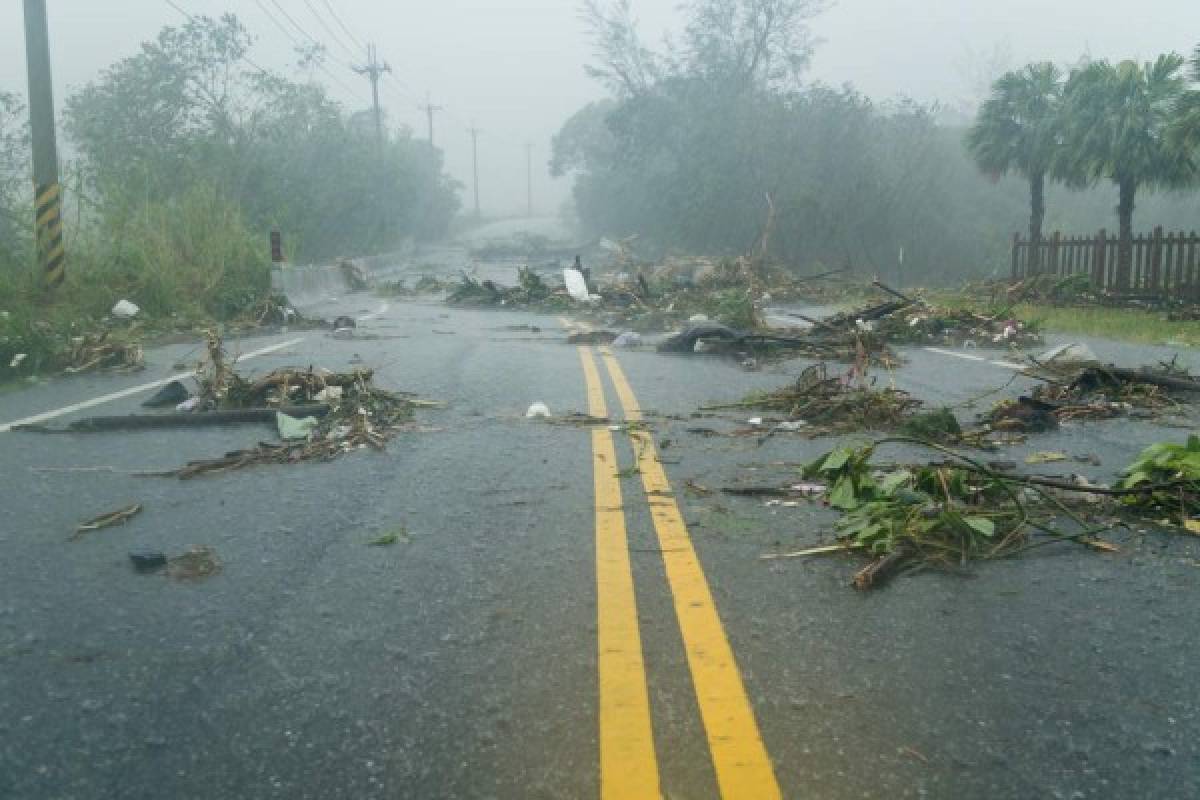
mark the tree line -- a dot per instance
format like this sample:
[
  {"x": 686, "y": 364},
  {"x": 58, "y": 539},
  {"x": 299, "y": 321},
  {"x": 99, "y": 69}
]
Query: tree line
[
  {"x": 1134, "y": 125},
  {"x": 182, "y": 156},
  {"x": 699, "y": 139}
]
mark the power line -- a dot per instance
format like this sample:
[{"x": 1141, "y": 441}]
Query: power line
[
  {"x": 333, "y": 34},
  {"x": 295, "y": 24},
  {"x": 192, "y": 18},
  {"x": 343, "y": 26},
  {"x": 297, "y": 43}
]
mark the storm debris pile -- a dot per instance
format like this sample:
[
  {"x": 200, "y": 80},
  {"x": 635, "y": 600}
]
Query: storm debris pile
[
  {"x": 1168, "y": 477},
  {"x": 946, "y": 513},
  {"x": 833, "y": 403},
  {"x": 957, "y": 326},
  {"x": 1093, "y": 391},
  {"x": 530, "y": 293},
  {"x": 100, "y": 350},
  {"x": 346, "y": 412}
]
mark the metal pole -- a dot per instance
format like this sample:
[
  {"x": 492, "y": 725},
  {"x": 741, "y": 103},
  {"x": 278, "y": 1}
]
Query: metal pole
[
  {"x": 47, "y": 189},
  {"x": 475, "y": 165},
  {"x": 374, "y": 70},
  {"x": 529, "y": 177}
]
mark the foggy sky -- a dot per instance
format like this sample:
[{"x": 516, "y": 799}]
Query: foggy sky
[{"x": 515, "y": 67}]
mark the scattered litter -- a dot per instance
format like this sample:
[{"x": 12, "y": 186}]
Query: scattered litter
[
  {"x": 829, "y": 403},
  {"x": 125, "y": 309},
  {"x": 197, "y": 564},
  {"x": 291, "y": 428},
  {"x": 118, "y": 517},
  {"x": 1070, "y": 353},
  {"x": 389, "y": 538},
  {"x": 17, "y": 359},
  {"x": 147, "y": 560},
  {"x": 537, "y": 411},
  {"x": 592, "y": 337},
  {"x": 628, "y": 339},
  {"x": 189, "y": 405},
  {"x": 172, "y": 394},
  {"x": 329, "y": 394},
  {"x": 1088, "y": 392},
  {"x": 576, "y": 285},
  {"x": 1045, "y": 457},
  {"x": 364, "y": 416},
  {"x": 823, "y": 550},
  {"x": 99, "y": 351},
  {"x": 936, "y": 426},
  {"x": 755, "y": 422}
]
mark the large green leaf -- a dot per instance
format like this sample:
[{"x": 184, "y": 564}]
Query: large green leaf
[{"x": 981, "y": 525}]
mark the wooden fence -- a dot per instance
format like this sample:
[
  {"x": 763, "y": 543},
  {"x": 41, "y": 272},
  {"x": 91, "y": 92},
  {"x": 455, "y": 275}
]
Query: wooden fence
[{"x": 1163, "y": 265}]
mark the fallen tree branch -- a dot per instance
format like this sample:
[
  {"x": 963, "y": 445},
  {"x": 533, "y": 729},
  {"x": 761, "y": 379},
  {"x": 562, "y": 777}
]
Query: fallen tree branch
[{"x": 199, "y": 419}]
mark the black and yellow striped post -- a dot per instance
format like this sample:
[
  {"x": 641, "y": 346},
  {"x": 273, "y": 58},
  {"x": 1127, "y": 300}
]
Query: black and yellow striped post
[
  {"x": 51, "y": 253},
  {"x": 48, "y": 194}
]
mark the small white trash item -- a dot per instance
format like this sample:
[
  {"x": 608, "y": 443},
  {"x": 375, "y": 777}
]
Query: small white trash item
[
  {"x": 537, "y": 410},
  {"x": 628, "y": 339},
  {"x": 125, "y": 309}
]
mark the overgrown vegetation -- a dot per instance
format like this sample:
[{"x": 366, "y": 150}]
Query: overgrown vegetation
[
  {"x": 188, "y": 158},
  {"x": 700, "y": 139}
]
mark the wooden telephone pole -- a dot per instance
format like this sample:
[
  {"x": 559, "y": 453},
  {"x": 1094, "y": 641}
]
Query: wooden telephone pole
[
  {"x": 475, "y": 163},
  {"x": 47, "y": 189},
  {"x": 374, "y": 70},
  {"x": 430, "y": 109}
]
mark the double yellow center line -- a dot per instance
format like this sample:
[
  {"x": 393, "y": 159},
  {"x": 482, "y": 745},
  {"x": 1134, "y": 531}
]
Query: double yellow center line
[{"x": 628, "y": 764}]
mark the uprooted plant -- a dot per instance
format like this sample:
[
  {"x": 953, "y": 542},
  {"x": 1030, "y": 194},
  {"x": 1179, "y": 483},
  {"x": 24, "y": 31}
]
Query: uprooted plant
[
  {"x": 350, "y": 412},
  {"x": 1093, "y": 391},
  {"x": 942, "y": 513},
  {"x": 1168, "y": 477},
  {"x": 831, "y": 403}
]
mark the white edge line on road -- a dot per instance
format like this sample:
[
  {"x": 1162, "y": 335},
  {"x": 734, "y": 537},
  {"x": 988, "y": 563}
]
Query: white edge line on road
[
  {"x": 108, "y": 398},
  {"x": 953, "y": 354},
  {"x": 1006, "y": 365},
  {"x": 382, "y": 310}
]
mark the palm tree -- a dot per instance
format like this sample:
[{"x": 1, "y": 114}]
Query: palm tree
[
  {"x": 1117, "y": 120},
  {"x": 1017, "y": 130},
  {"x": 1185, "y": 131}
]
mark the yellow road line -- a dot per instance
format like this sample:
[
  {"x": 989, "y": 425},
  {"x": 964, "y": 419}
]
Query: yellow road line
[
  {"x": 628, "y": 766},
  {"x": 739, "y": 756}
]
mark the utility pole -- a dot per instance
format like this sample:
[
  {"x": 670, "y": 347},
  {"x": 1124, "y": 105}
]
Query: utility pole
[
  {"x": 47, "y": 189},
  {"x": 374, "y": 70},
  {"x": 529, "y": 177},
  {"x": 475, "y": 163},
  {"x": 429, "y": 108}
]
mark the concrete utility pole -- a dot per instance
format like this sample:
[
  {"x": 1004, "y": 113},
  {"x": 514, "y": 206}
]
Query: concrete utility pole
[
  {"x": 48, "y": 191},
  {"x": 429, "y": 108},
  {"x": 374, "y": 70},
  {"x": 529, "y": 177},
  {"x": 475, "y": 163}
]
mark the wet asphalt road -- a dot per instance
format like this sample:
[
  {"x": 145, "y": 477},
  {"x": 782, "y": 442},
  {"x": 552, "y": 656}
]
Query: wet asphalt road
[{"x": 461, "y": 661}]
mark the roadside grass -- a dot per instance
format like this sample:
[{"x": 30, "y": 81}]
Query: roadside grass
[
  {"x": 188, "y": 264},
  {"x": 1122, "y": 324}
]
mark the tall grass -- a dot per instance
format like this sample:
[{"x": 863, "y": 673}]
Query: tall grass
[{"x": 186, "y": 262}]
